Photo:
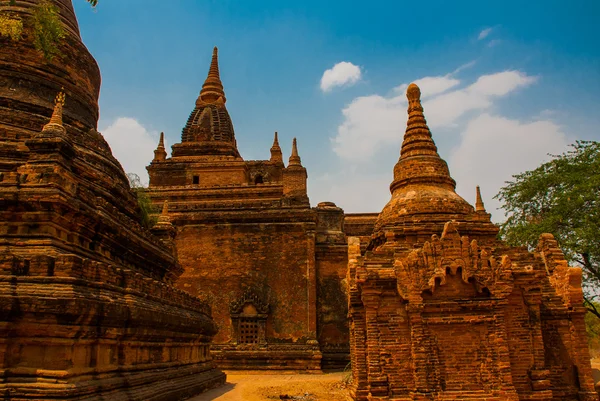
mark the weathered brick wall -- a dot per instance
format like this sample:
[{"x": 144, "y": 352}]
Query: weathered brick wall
[
  {"x": 222, "y": 260},
  {"x": 294, "y": 181},
  {"x": 477, "y": 323},
  {"x": 332, "y": 305}
]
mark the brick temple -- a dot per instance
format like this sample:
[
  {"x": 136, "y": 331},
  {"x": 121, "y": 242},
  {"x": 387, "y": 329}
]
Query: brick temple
[
  {"x": 249, "y": 239},
  {"x": 241, "y": 272},
  {"x": 442, "y": 310}
]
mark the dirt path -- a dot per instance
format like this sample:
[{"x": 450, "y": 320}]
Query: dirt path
[{"x": 261, "y": 387}]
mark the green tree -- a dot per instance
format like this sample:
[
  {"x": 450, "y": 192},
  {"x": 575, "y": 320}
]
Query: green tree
[
  {"x": 560, "y": 197},
  {"x": 146, "y": 219}
]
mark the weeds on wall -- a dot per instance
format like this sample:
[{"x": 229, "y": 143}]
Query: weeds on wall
[
  {"x": 46, "y": 29},
  {"x": 147, "y": 219},
  {"x": 11, "y": 26}
]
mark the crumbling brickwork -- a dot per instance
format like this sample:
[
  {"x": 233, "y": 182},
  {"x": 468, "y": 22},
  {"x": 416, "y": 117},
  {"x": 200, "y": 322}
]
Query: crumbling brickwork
[
  {"x": 442, "y": 310},
  {"x": 88, "y": 309}
]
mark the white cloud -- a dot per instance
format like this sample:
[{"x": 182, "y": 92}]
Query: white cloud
[
  {"x": 373, "y": 122},
  {"x": 343, "y": 73},
  {"x": 484, "y": 33},
  {"x": 431, "y": 86},
  {"x": 494, "y": 148},
  {"x": 132, "y": 145},
  {"x": 354, "y": 191}
]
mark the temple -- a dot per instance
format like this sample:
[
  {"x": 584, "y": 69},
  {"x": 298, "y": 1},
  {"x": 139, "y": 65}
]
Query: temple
[
  {"x": 442, "y": 310},
  {"x": 239, "y": 271},
  {"x": 248, "y": 237}
]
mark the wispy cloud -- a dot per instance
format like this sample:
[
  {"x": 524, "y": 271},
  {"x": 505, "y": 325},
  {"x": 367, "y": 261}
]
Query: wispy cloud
[
  {"x": 465, "y": 66},
  {"x": 342, "y": 74},
  {"x": 484, "y": 33}
]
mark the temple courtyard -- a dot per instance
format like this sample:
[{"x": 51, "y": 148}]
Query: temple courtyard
[{"x": 300, "y": 387}]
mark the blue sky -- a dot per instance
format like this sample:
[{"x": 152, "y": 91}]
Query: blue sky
[{"x": 504, "y": 82}]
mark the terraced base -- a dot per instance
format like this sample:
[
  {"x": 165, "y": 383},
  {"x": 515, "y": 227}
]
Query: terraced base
[{"x": 167, "y": 384}]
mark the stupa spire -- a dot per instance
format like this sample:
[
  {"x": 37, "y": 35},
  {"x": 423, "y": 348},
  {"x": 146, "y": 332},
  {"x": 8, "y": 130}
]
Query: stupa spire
[
  {"x": 479, "y": 206},
  {"x": 161, "y": 141},
  {"x": 422, "y": 184},
  {"x": 417, "y": 139},
  {"x": 276, "y": 155},
  {"x": 212, "y": 89},
  {"x": 419, "y": 160},
  {"x": 56, "y": 122},
  {"x": 294, "y": 157},
  {"x": 275, "y": 142},
  {"x": 160, "y": 152}
]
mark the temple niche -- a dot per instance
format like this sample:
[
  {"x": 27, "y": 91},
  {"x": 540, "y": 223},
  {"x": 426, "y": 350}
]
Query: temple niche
[{"x": 442, "y": 310}]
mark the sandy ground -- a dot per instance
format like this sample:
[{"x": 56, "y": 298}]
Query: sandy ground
[{"x": 260, "y": 387}]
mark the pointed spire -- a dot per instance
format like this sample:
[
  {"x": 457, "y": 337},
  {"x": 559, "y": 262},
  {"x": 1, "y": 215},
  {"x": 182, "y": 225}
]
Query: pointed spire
[
  {"x": 275, "y": 142},
  {"x": 56, "y": 122},
  {"x": 419, "y": 160},
  {"x": 160, "y": 153},
  {"x": 212, "y": 90},
  {"x": 276, "y": 155},
  {"x": 417, "y": 139},
  {"x": 479, "y": 206},
  {"x": 164, "y": 218},
  {"x": 294, "y": 158}
]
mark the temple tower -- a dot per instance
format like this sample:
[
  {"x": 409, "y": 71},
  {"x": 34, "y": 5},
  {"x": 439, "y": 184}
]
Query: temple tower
[
  {"x": 438, "y": 304},
  {"x": 245, "y": 233}
]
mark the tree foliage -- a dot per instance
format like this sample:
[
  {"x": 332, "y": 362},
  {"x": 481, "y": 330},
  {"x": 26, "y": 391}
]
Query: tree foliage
[
  {"x": 592, "y": 325},
  {"x": 146, "y": 218},
  {"x": 560, "y": 197}
]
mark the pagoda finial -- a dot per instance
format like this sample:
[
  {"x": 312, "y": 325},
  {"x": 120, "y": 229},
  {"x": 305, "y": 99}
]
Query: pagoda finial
[
  {"x": 56, "y": 122},
  {"x": 294, "y": 157},
  {"x": 276, "y": 155},
  {"x": 419, "y": 160},
  {"x": 479, "y": 206},
  {"x": 164, "y": 218},
  {"x": 159, "y": 152},
  {"x": 212, "y": 89},
  {"x": 417, "y": 139}
]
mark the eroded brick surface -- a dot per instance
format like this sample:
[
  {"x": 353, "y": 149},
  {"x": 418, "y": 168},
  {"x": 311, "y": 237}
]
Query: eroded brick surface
[
  {"x": 88, "y": 309},
  {"x": 442, "y": 310}
]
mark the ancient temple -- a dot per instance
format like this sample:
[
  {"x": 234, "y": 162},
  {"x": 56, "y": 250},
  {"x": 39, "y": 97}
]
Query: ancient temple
[
  {"x": 241, "y": 272},
  {"x": 442, "y": 310},
  {"x": 247, "y": 236},
  {"x": 88, "y": 308}
]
